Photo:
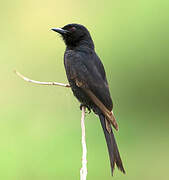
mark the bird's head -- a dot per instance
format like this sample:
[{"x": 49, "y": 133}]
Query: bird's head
[{"x": 74, "y": 35}]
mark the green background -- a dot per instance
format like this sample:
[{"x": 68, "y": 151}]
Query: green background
[{"x": 40, "y": 134}]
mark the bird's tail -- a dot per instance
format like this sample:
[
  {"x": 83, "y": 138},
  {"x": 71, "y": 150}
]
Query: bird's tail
[{"x": 114, "y": 154}]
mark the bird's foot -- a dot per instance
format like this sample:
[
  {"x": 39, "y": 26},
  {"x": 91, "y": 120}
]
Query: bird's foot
[{"x": 88, "y": 108}]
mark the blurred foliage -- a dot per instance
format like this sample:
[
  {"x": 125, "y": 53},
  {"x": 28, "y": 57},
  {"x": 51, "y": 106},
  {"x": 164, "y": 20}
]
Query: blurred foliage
[{"x": 40, "y": 135}]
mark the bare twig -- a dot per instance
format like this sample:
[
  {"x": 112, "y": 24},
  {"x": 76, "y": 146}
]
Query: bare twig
[
  {"x": 83, "y": 171},
  {"x": 39, "y": 82}
]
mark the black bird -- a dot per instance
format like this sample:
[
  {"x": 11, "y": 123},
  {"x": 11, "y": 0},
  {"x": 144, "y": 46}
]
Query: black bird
[{"x": 87, "y": 78}]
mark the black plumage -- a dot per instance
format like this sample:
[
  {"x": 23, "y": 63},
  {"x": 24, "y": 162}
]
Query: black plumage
[{"x": 87, "y": 78}]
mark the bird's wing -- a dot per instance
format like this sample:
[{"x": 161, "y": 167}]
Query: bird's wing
[{"x": 86, "y": 74}]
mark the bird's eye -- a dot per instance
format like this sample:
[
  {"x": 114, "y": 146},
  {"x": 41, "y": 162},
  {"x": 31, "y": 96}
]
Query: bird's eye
[{"x": 72, "y": 29}]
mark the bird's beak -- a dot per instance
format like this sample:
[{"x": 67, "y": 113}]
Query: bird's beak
[{"x": 60, "y": 30}]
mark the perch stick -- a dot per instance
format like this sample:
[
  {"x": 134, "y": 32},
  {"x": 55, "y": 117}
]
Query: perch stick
[
  {"x": 83, "y": 170},
  {"x": 39, "y": 82}
]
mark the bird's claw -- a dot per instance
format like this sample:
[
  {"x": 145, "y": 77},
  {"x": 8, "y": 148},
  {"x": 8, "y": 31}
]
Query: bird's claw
[{"x": 88, "y": 108}]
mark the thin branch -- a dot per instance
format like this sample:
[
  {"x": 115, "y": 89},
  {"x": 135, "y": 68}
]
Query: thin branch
[
  {"x": 83, "y": 170},
  {"x": 39, "y": 82}
]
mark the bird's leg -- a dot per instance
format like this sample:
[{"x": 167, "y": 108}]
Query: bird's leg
[{"x": 88, "y": 108}]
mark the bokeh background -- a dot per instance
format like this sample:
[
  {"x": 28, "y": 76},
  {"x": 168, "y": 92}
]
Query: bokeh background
[{"x": 40, "y": 134}]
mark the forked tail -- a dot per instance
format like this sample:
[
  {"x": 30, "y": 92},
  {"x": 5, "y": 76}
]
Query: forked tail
[{"x": 114, "y": 154}]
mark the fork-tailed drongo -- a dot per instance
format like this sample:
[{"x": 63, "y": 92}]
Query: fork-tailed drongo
[{"x": 87, "y": 78}]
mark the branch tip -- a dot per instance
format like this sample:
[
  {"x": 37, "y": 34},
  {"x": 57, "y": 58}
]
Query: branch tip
[{"x": 39, "y": 82}]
